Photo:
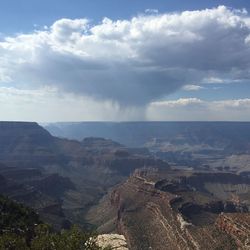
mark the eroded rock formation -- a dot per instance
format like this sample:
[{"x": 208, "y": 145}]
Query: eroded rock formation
[
  {"x": 237, "y": 226},
  {"x": 112, "y": 241},
  {"x": 151, "y": 218}
]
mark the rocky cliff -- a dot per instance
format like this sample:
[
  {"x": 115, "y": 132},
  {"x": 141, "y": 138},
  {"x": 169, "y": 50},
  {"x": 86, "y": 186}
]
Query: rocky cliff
[
  {"x": 237, "y": 226},
  {"x": 151, "y": 218},
  {"x": 62, "y": 178}
]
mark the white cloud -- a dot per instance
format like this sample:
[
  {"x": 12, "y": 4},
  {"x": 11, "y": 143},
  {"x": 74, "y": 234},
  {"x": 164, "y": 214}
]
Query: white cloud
[
  {"x": 240, "y": 104},
  {"x": 134, "y": 61},
  {"x": 209, "y": 80},
  {"x": 192, "y": 87},
  {"x": 217, "y": 80},
  {"x": 177, "y": 103},
  {"x": 190, "y": 109},
  {"x": 4, "y": 78},
  {"x": 151, "y": 11}
]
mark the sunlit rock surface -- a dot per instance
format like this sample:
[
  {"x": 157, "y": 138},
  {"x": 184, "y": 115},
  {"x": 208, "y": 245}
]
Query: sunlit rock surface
[{"x": 114, "y": 241}]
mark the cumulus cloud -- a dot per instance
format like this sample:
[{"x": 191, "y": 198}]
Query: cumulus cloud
[
  {"x": 151, "y": 11},
  {"x": 186, "y": 102},
  {"x": 130, "y": 62},
  {"x": 217, "y": 80},
  {"x": 190, "y": 109},
  {"x": 192, "y": 87}
]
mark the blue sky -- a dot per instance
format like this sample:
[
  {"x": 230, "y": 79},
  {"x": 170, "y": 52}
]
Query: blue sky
[{"x": 158, "y": 62}]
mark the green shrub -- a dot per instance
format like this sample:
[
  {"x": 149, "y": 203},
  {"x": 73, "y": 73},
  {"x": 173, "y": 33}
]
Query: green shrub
[
  {"x": 11, "y": 241},
  {"x": 21, "y": 229}
]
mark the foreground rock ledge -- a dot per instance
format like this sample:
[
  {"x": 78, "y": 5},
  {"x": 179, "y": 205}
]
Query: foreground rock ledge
[{"x": 114, "y": 241}]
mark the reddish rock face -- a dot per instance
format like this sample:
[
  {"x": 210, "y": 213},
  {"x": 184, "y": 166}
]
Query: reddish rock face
[
  {"x": 151, "y": 218},
  {"x": 237, "y": 226}
]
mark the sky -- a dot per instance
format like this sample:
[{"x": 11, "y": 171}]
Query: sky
[{"x": 128, "y": 60}]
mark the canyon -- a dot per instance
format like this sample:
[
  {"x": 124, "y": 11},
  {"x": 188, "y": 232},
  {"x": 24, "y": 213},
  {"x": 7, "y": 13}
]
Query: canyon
[{"x": 168, "y": 193}]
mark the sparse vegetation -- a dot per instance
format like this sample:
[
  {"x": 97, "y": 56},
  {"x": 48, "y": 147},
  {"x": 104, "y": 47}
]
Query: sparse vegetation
[{"x": 21, "y": 229}]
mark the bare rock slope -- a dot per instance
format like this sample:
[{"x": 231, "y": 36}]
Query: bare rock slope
[{"x": 178, "y": 218}]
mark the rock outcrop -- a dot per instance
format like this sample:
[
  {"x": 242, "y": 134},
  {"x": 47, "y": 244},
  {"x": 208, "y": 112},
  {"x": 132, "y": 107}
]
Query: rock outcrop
[
  {"x": 237, "y": 226},
  {"x": 151, "y": 218},
  {"x": 112, "y": 241}
]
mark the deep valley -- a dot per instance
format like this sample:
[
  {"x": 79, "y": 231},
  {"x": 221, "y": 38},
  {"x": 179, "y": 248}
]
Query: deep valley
[{"x": 188, "y": 189}]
